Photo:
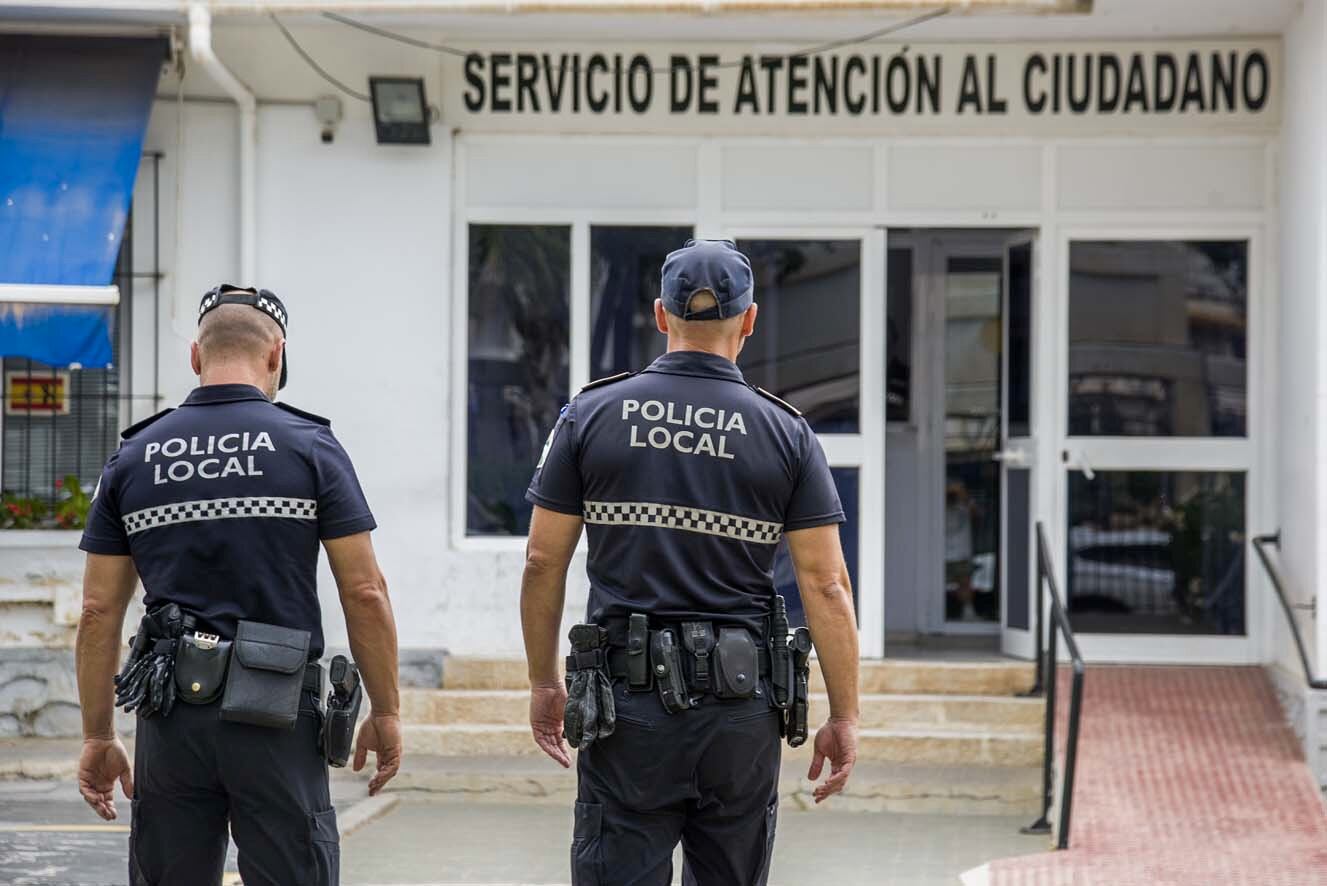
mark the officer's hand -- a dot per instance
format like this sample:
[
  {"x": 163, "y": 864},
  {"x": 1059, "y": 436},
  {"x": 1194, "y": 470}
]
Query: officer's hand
[
  {"x": 101, "y": 764},
  {"x": 548, "y": 705},
  {"x": 837, "y": 742},
  {"x": 381, "y": 733}
]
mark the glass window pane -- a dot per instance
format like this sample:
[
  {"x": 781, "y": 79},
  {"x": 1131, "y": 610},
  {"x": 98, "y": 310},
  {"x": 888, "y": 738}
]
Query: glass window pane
[
  {"x": 1158, "y": 333},
  {"x": 625, "y": 264},
  {"x": 898, "y": 384},
  {"x": 972, "y": 436},
  {"x": 518, "y": 365},
  {"x": 785, "y": 580},
  {"x": 806, "y": 348},
  {"x": 1020, "y": 340},
  {"x": 1156, "y": 552}
]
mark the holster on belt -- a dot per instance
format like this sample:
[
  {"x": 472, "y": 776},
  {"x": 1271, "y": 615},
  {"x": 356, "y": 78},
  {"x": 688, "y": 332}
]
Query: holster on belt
[
  {"x": 790, "y": 673},
  {"x": 796, "y": 726},
  {"x": 338, "y": 733},
  {"x": 591, "y": 713}
]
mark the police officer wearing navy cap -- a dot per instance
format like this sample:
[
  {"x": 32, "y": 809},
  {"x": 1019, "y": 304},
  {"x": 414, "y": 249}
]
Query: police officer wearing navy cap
[
  {"x": 219, "y": 507},
  {"x": 686, "y": 478}
]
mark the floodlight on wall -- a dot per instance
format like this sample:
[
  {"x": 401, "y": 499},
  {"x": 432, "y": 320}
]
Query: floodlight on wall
[{"x": 401, "y": 113}]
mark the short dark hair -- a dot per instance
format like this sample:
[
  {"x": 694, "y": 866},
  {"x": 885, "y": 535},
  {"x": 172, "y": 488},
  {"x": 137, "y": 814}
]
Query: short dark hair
[{"x": 236, "y": 331}]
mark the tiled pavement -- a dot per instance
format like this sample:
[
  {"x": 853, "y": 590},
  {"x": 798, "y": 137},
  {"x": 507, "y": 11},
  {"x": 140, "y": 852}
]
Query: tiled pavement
[{"x": 1186, "y": 776}]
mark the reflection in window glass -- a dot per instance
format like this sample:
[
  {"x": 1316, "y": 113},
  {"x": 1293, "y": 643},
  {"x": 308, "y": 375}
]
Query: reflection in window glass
[
  {"x": 625, "y": 265},
  {"x": 785, "y": 580},
  {"x": 808, "y": 333},
  {"x": 1158, "y": 334},
  {"x": 1156, "y": 552},
  {"x": 972, "y": 436},
  {"x": 898, "y": 381},
  {"x": 518, "y": 365}
]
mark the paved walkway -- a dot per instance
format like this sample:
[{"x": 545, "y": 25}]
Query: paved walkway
[{"x": 1186, "y": 776}]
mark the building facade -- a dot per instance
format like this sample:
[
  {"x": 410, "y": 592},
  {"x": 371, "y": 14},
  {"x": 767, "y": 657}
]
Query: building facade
[{"x": 1060, "y": 269}]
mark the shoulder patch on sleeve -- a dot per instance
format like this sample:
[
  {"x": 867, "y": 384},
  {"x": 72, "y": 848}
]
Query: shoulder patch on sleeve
[
  {"x": 309, "y": 416},
  {"x": 135, "y": 428},
  {"x": 783, "y": 403},
  {"x": 599, "y": 383}
]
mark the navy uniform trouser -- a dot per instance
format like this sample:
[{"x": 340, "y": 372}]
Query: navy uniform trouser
[
  {"x": 195, "y": 775},
  {"x": 707, "y": 777}
]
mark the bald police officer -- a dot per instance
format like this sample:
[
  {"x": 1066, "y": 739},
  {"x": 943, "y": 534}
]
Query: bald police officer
[
  {"x": 219, "y": 507},
  {"x": 688, "y": 478}
]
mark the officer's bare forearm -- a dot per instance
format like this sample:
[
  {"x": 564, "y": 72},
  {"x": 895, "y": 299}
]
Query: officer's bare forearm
[
  {"x": 543, "y": 593},
  {"x": 108, "y": 586},
  {"x": 833, "y": 622},
  {"x": 370, "y": 624},
  {"x": 553, "y": 538},
  {"x": 372, "y": 631},
  {"x": 822, "y": 577}
]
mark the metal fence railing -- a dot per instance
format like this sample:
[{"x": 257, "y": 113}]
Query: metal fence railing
[
  {"x": 1259, "y": 545},
  {"x": 1048, "y": 682}
]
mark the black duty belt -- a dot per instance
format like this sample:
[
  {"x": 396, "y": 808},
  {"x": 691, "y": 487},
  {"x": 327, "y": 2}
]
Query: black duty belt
[
  {"x": 617, "y": 662},
  {"x": 616, "y": 657}
]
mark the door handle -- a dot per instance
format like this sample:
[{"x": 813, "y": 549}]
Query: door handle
[
  {"x": 1014, "y": 458},
  {"x": 1079, "y": 464}
]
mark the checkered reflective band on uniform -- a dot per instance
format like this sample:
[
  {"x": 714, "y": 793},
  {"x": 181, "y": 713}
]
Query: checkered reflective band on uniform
[
  {"x": 643, "y": 513},
  {"x": 220, "y": 509}
]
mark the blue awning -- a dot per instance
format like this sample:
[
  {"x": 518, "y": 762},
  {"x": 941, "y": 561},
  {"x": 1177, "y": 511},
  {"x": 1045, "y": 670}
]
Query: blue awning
[{"x": 73, "y": 112}]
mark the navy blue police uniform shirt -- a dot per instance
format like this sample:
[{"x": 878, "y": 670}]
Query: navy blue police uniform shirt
[
  {"x": 222, "y": 503},
  {"x": 687, "y": 478}
]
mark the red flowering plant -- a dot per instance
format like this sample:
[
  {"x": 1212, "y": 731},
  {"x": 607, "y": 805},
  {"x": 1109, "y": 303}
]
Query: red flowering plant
[{"x": 70, "y": 510}]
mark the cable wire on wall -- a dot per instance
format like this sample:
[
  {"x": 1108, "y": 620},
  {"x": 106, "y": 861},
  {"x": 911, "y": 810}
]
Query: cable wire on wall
[
  {"x": 814, "y": 49},
  {"x": 308, "y": 59}
]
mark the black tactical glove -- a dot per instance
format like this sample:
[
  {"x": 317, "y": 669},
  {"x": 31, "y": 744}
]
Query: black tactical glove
[{"x": 591, "y": 713}]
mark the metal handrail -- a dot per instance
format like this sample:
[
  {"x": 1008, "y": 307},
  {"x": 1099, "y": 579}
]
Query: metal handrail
[
  {"x": 1046, "y": 682},
  {"x": 1272, "y": 573}
]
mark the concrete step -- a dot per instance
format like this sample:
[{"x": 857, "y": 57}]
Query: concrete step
[
  {"x": 879, "y": 711},
  {"x": 919, "y": 746},
  {"x": 1003, "y": 677},
  {"x": 926, "y": 677},
  {"x": 874, "y": 787}
]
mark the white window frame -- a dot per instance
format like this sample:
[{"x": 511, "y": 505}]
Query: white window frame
[{"x": 1241, "y": 454}]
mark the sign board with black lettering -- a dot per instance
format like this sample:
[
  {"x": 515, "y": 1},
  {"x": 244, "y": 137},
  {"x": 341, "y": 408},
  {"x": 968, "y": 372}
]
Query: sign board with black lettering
[{"x": 1229, "y": 86}]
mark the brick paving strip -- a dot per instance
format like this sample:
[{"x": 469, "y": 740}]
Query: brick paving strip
[{"x": 1187, "y": 777}]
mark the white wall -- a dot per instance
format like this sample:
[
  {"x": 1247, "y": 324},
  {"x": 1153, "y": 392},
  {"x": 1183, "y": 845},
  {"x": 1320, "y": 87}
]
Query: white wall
[
  {"x": 1302, "y": 436},
  {"x": 355, "y": 238}
]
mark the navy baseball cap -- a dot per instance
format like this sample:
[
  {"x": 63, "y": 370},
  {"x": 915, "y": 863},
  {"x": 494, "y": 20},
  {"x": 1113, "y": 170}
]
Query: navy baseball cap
[
  {"x": 264, "y": 300},
  {"x": 715, "y": 265}
]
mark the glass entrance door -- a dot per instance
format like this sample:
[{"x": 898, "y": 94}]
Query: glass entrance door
[
  {"x": 1158, "y": 457},
  {"x": 960, "y": 445}
]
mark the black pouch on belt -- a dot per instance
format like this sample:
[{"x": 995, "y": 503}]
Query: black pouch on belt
[
  {"x": 638, "y": 651},
  {"x": 737, "y": 665},
  {"x": 200, "y": 667},
  {"x": 266, "y": 675},
  {"x": 698, "y": 639}
]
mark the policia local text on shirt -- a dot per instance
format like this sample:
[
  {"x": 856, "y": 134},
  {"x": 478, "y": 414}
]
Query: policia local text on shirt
[
  {"x": 684, "y": 677},
  {"x": 219, "y": 507}
]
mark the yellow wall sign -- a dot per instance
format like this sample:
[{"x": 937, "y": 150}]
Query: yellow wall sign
[{"x": 36, "y": 393}]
